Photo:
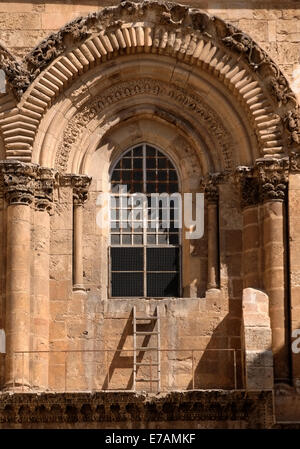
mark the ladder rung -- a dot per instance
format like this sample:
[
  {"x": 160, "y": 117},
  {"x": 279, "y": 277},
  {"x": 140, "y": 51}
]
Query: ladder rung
[
  {"x": 147, "y": 318},
  {"x": 146, "y": 348},
  {"x": 147, "y": 380},
  {"x": 147, "y": 364},
  {"x": 146, "y": 333}
]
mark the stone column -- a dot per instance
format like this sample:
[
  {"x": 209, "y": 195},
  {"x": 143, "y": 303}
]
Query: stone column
[
  {"x": 80, "y": 195},
  {"x": 294, "y": 240},
  {"x": 19, "y": 193},
  {"x": 251, "y": 263},
  {"x": 40, "y": 306},
  {"x": 211, "y": 194},
  {"x": 273, "y": 177}
]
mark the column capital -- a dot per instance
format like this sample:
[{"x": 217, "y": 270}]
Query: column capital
[
  {"x": 273, "y": 175},
  {"x": 265, "y": 181},
  {"x": 80, "y": 184},
  {"x": 46, "y": 181},
  {"x": 18, "y": 181},
  {"x": 209, "y": 185}
]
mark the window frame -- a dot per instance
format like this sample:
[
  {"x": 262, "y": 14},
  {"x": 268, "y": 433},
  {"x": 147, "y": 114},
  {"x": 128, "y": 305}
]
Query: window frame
[{"x": 144, "y": 233}]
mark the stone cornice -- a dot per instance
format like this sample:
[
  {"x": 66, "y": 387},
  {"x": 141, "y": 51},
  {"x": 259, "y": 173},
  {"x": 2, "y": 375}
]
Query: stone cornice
[{"x": 254, "y": 408}]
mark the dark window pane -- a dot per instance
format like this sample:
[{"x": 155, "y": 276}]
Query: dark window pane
[
  {"x": 150, "y": 151},
  {"x": 151, "y": 175},
  {"x": 127, "y": 259},
  {"x": 126, "y": 175},
  {"x": 162, "y": 175},
  {"x": 138, "y": 151},
  {"x": 127, "y": 284},
  {"x": 126, "y": 163},
  {"x": 172, "y": 175},
  {"x": 151, "y": 187},
  {"x": 128, "y": 154},
  {"x": 138, "y": 163},
  {"x": 150, "y": 163},
  {"x": 138, "y": 175},
  {"x": 116, "y": 175},
  {"x": 162, "y": 259},
  {"x": 162, "y": 163},
  {"x": 162, "y": 284},
  {"x": 173, "y": 239}
]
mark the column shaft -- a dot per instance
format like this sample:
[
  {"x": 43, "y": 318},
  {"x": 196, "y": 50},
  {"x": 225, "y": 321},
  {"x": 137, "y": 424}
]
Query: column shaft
[
  {"x": 18, "y": 294},
  {"x": 212, "y": 259}
]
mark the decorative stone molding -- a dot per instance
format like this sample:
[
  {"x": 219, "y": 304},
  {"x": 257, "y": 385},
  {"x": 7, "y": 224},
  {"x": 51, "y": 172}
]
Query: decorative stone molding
[
  {"x": 98, "y": 107},
  {"x": 266, "y": 181},
  {"x": 209, "y": 185},
  {"x": 177, "y": 31},
  {"x": 252, "y": 409},
  {"x": 295, "y": 162},
  {"x": 18, "y": 181},
  {"x": 46, "y": 181},
  {"x": 80, "y": 185},
  {"x": 17, "y": 76},
  {"x": 273, "y": 178}
]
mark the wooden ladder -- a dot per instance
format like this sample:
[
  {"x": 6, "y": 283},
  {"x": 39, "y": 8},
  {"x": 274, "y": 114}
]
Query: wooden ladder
[{"x": 138, "y": 351}]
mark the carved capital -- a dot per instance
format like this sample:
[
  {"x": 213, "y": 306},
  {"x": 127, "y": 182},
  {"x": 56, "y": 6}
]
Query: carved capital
[
  {"x": 18, "y": 181},
  {"x": 45, "y": 183},
  {"x": 210, "y": 187},
  {"x": 80, "y": 185},
  {"x": 272, "y": 175}
]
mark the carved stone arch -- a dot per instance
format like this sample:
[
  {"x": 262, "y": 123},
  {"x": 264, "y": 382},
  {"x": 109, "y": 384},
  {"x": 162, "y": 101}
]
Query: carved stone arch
[
  {"x": 222, "y": 140},
  {"x": 189, "y": 36}
]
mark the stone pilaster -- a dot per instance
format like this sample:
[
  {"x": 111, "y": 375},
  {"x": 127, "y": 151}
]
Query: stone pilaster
[
  {"x": 80, "y": 185},
  {"x": 294, "y": 241},
  {"x": 257, "y": 340},
  {"x": 40, "y": 313},
  {"x": 273, "y": 178},
  {"x": 19, "y": 182},
  {"x": 251, "y": 262},
  {"x": 212, "y": 195}
]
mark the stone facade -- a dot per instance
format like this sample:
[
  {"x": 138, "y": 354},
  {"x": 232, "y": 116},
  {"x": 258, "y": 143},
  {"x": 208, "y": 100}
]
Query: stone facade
[{"x": 216, "y": 88}]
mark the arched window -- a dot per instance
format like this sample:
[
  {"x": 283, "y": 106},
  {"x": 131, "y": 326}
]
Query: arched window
[{"x": 145, "y": 235}]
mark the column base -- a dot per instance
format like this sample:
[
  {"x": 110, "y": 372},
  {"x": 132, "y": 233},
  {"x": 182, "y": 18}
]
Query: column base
[{"x": 79, "y": 288}]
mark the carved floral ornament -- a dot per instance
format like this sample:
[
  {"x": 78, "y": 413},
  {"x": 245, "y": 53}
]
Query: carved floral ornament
[
  {"x": 164, "y": 28},
  {"x": 30, "y": 184}
]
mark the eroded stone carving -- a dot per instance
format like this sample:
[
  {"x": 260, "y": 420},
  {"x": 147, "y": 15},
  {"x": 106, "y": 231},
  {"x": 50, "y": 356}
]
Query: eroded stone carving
[
  {"x": 16, "y": 75},
  {"x": 46, "y": 181},
  {"x": 159, "y": 89},
  {"x": 292, "y": 123},
  {"x": 80, "y": 185},
  {"x": 18, "y": 181},
  {"x": 266, "y": 181},
  {"x": 273, "y": 178},
  {"x": 254, "y": 407},
  {"x": 55, "y": 44}
]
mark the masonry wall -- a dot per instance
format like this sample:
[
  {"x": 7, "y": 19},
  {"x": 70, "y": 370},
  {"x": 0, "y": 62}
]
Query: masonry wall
[{"x": 272, "y": 24}]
